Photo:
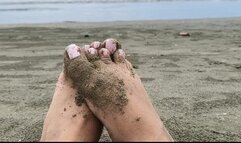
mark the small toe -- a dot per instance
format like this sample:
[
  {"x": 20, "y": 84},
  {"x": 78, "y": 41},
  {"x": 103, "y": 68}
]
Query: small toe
[
  {"x": 91, "y": 53},
  {"x": 97, "y": 45},
  {"x": 119, "y": 56},
  {"x": 85, "y": 48},
  {"x": 104, "y": 55}
]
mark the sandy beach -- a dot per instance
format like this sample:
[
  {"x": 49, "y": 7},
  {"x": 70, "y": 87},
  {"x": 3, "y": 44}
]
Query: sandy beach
[{"x": 194, "y": 82}]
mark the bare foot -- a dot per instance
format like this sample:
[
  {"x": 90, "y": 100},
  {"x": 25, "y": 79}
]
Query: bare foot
[
  {"x": 114, "y": 92},
  {"x": 65, "y": 121}
]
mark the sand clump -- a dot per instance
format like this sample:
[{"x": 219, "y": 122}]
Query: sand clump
[{"x": 95, "y": 85}]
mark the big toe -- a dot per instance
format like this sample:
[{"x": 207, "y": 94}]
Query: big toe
[
  {"x": 76, "y": 64},
  {"x": 111, "y": 44}
]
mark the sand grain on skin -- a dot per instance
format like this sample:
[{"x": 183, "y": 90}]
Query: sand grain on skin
[{"x": 100, "y": 88}]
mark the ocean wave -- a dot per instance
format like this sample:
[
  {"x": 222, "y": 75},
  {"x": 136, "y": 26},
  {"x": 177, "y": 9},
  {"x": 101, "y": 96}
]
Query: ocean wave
[{"x": 27, "y": 9}]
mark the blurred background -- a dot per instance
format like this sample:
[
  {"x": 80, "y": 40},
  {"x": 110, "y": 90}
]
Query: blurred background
[{"x": 48, "y": 11}]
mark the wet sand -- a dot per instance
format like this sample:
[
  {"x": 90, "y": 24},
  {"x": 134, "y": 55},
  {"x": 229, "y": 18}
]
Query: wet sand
[{"x": 194, "y": 82}]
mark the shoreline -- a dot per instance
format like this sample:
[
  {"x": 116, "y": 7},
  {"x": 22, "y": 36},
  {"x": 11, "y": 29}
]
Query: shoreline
[{"x": 113, "y": 23}]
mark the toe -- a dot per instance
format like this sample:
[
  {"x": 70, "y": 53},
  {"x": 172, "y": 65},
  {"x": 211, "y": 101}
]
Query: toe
[
  {"x": 91, "y": 53},
  {"x": 111, "y": 44},
  {"x": 86, "y": 48},
  {"x": 119, "y": 56},
  {"x": 71, "y": 52},
  {"x": 104, "y": 55},
  {"x": 97, "y": 45},
  {"x": 75, "y": 62}
]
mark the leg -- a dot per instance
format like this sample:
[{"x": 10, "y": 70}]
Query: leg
[
  {"x": 65, "y": 121},
  {"x": 114, "y": 93}
]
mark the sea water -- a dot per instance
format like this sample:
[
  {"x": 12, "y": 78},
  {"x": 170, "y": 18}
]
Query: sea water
[{"x": 48, "y": 11}]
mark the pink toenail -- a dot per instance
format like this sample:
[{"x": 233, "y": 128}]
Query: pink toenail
[
  {"x": 92, "y": 51},
  {"x": 111, "y": 45},
  {"x": 105, "y": 53},
  {"x": 95, "y": 45},
  {"x": 72, "y": 51},
  {"x": 122, "y": 53}
]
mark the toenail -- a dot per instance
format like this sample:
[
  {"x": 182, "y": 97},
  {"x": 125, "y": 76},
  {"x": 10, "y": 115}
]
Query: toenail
[
  {"x": 105, "y": 53},
  {"x": 111, "y": 45},
  {"x": 72, "y": 51},
  {"x": 92, "y": 51},
  {"x": 96, "y": 45},
  {"x": 121, "y": 53}
]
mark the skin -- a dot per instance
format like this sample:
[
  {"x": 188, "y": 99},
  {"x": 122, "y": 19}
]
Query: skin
[
  {"x": 137, "y": 120},
  {"x": 65, "y": 121}
]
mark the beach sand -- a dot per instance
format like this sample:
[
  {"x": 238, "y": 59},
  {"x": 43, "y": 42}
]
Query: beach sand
[{"x": 194, "y": 82}]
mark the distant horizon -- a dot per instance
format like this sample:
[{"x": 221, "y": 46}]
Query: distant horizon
[{"x": 52, "y": 11}]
